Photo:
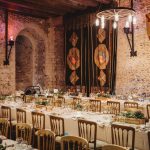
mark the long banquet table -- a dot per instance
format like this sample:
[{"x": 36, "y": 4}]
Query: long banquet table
[{"x": 71, "y": 127}]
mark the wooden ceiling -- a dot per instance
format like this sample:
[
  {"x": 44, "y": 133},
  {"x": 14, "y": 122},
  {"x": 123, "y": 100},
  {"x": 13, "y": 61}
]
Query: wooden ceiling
[{"x": 46, "y": 8}]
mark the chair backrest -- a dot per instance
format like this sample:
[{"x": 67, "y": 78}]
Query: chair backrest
[
  {"x": 74, "y": 143},
  {"x": 21, "y": 115},
  {"x": 115, "y": 107},
  {"x": 46, "y": 140},
  {"x": 24, "y": 131},
  {"x": 38, "y": 120},
  {"x": 62, "y": 99},
  {"x": 51, "y": 99},
  {"x": 77, "y": 100},
  {"x": 123, "y": 135},
  {"x": 130, "y": 105},
  {"x": 6, "y": 112},
  {"x": 4, "y": 127},
  {"x": 148, "y": 111},
  {"x": 28, "y": 98},
  {"x": 113, "y": 147},
  {"x": 95, "y": 105},
  {"x": 88, "y": 130},
  {"x": 57, "y": 125}
]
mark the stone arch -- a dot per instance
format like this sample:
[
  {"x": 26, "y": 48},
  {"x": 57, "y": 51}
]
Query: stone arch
[{"x": 39, "y": 47}]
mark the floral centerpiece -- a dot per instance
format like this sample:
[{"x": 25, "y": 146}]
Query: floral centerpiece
[
  {"x": 103, "y": 94},
  {"x": 79, "y": 107},
  {"x": 136, "y": 117},
  {"x": 2, "y": 97}
]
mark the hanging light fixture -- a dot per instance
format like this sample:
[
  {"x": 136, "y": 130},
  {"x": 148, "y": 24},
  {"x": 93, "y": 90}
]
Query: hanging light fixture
[{"x": 116, "y": 12}]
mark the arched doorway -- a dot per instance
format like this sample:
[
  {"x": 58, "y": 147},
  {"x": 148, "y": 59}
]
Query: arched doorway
[
  {"x": 24, "y": 62},
  {"x": 30, "y": 59}
]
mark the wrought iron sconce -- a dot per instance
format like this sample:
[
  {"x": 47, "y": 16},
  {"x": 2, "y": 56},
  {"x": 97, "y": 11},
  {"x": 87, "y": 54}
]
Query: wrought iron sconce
[
  {"x": 129, "y": 30},
  {"x": 9, "y": 46}
]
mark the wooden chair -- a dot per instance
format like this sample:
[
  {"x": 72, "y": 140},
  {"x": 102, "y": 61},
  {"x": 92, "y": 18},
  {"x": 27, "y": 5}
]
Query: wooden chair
[
  {"x": 6, "y": 114},
  {"x": 62, "y": 99},
  {"x": 57, "y": 126},
  {"x": 46, "y": 140},
  {"x": 88, "y": 131},
  {"x": 113, "y": 147},
  {"x": 115, "y": 107},
  {"x": 130, "y": 105},
  {"x": 74, "y": 143},
  {"x": 148, "y": 111},
  {"x": 21, "y": 115},
  {"x": 4, "y": 127},
  {"x": 24, "y": 131},
  {"x": 95, "y": 105},
  {"x": 28, "y": 98},
  {"x": 38, "y": 122},
  {"x": 51, "y": 99},
  {"x": 77, "y": 100},
  {"x": 123, "y": 135}
]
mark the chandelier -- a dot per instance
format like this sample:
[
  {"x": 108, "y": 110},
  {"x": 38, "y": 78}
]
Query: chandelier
[{"x": 119, "y": 9}]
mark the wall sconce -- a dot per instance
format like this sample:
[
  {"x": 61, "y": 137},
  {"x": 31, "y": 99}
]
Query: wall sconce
[
  {"x": 9, "y": 46},
  {"x": 129, "y": 30}
]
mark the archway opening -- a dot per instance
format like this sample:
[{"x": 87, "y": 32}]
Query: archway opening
[{"x": 24, "y": 62}]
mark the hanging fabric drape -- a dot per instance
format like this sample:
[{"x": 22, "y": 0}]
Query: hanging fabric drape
[{"x": 90, "y": 54}]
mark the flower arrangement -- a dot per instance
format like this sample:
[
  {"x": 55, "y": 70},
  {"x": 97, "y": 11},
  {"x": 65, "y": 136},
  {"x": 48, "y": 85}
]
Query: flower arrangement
[
  {"x": 103, "y": 94},
  {"x": 136, "y": 114},
  {"x": 79, "y": 107}
]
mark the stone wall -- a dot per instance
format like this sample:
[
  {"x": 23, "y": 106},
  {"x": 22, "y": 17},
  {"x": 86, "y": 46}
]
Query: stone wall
[
  {"x": 133, "y": 73},
  {"x": 48, "y": 63}
]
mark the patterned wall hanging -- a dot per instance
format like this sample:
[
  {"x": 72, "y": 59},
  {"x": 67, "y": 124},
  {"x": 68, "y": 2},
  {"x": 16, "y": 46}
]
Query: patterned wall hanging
[
  {"x": 73, "y": 58},
  {"x": 101, "y": 56}
]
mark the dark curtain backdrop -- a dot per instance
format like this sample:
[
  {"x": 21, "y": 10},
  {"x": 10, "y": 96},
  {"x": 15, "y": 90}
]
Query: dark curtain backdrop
[{"x": 88, "y": 72}]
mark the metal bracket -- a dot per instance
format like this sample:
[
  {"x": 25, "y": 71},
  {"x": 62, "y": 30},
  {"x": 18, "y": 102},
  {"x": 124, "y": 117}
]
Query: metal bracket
[{"x": 130, "y": 31}]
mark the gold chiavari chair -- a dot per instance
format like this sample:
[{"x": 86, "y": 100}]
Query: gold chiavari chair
[
  {"x": 88, "y": 131},
  {"x": 57, "y": 126},
  {"x": 95, "y": 105},
  {"x": 130, "y": 105},
  {"x": 24, "y": 131},
  {"x": 114, "y": 107},
  {"x": 28, "y": 98},
  {"x": 77, "y": 100},
  {"x": 123, "y": 136},
  {"x": 21, "y": 115},
  {"x": 113, "y": 147},
  {"x": 6, "y": 114},
  {"x": 74, "y": 143},
  {"x": 46, "y": 140},
  {"x": 38, "y": 122},
  {"x": 62, "y": 99},
  {"x": 51, "y": 99},
  {"x": 4, "y": 127}
]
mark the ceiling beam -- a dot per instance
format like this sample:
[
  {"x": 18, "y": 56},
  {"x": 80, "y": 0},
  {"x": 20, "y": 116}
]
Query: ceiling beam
[
  {"x": 90, "y": 3},
  {"x": 18, "y": 4}
]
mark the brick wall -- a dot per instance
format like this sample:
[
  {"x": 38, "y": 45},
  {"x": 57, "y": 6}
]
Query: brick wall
[
  {"x": 133, "y": 72},
  {"x": 48, "y": 63}
]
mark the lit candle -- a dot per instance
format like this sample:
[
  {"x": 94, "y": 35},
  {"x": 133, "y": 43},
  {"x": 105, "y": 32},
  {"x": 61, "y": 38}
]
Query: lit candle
[
  {"x": 97, "y": 22},
  {"x": 115, "y": 25},
  {"x": 127, "y": 25},
  {"x": 11, "y": 38},
  {"x": 116, "y": 17}
]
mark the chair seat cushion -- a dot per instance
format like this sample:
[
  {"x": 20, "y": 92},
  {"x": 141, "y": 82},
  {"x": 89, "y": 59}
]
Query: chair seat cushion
[{"x": 99, "y": 144}]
